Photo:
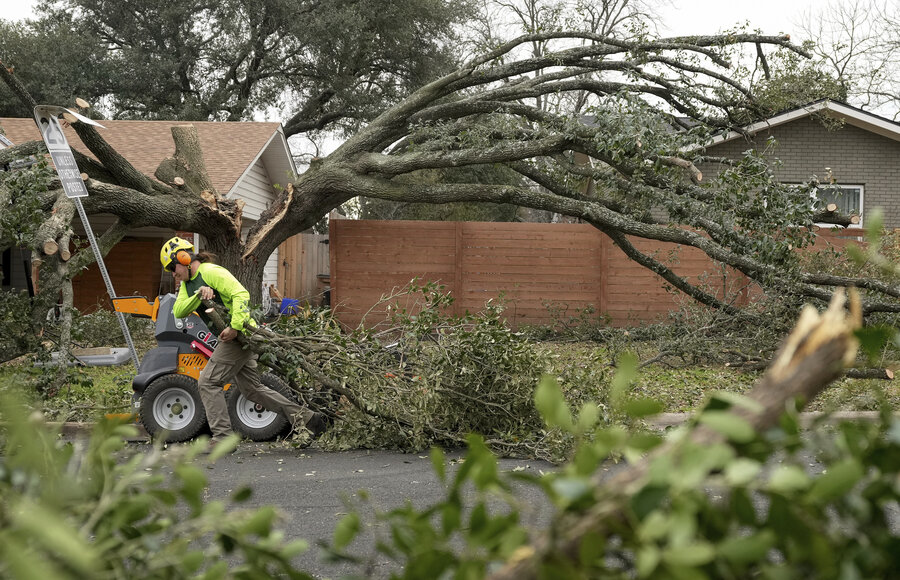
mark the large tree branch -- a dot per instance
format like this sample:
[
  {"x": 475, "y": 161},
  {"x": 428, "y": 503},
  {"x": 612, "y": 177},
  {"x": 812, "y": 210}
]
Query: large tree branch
[
  {"x": 120, "y": 168},
  {"x": 17, "y": 87},
  {"x": 669, "y": 276},
  {"x": 602, "y": 47},
  {"x": 167, "y": 211},
  {"x": 500, "y": 153},
  {"x": 21, "y": 150}
]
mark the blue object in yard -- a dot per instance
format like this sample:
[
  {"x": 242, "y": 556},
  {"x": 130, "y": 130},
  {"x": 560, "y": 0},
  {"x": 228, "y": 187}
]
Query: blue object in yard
[{"x": 289, "y": 306}]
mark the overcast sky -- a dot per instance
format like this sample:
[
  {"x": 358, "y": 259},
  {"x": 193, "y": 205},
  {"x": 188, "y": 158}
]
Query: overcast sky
[
  {"x": 711, "y": 16},
  {"x": 681, "y": 17}
]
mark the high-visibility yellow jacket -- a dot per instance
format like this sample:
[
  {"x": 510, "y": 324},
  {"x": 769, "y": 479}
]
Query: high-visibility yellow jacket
[{"x": 228, "y": 292}]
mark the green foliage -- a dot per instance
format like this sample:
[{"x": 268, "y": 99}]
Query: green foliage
[
  {"x": 88, "y": 393},
  {"x": 99, "y": 509},
  {"x": 55, "y": 60},
  {"x": 101, "y": 328},
  {"x": 17, "y": 336},
  {"x": 445, "y": 377},
  {"x": 769, "y": 219},
  {"x": 792, "y": 81},
  {"x": 21, "y": 213},
  {"x": 706, "y": 508},
  {"x": 352, "y": 58}
]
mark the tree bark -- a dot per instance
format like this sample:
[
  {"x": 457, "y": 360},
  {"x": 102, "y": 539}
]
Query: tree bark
[{"x": 884, "y": 374}]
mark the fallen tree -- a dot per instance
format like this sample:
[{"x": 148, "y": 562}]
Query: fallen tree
[{"x": 480, "y": 115}]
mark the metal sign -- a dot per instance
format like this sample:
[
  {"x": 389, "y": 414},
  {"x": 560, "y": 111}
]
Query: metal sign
[
  {"x": 67, "y": 168},
  {"x": 59, "y": 149}
]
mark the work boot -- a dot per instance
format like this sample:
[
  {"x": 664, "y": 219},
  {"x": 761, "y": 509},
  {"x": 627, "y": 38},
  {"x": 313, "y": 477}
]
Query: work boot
[
  {"x": 213, "y": 443},
  {"x": 317, "y": 424}
]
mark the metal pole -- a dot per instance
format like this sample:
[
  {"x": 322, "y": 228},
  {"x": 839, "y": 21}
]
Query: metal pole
[
  {"x": 109, "y": 287},
  {"x": 74, "y": 188}
]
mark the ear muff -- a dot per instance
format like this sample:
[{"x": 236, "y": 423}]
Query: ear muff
[{"x": 184, "y": 257}]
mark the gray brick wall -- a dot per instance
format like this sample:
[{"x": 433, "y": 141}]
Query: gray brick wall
[{"x": 856, "y": 157}]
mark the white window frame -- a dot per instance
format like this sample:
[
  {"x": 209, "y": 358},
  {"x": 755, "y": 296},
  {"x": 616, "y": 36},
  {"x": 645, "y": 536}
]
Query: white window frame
[{"x": 862, "y": 197}]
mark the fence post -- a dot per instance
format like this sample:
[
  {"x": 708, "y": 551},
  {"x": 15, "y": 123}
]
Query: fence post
[
  {"x": 334, "y": 276},
  {"x": 458, "y": 270},
  {"x": 603, "y": 251}
]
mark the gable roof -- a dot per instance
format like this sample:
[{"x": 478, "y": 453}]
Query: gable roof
[
  {"x": 850, "y": 115},
  {"x": 229, "y": 148}
]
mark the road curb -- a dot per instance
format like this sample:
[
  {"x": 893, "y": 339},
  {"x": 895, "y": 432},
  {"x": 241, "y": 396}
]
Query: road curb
[
  {"x": 76, "y": 429},
  {"x": 661, "y": 421},
  {"x": 665, "y": 420}
]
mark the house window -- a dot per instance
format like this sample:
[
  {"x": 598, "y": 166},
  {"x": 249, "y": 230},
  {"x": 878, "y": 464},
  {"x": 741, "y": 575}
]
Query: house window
[{"x": 848, "y": 198}]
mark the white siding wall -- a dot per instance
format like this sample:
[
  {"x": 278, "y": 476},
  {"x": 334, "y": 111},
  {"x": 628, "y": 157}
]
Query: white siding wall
[
  {"x": 270, "y": 275},
  {"x": 255, "y": 189},
  {"x": 270, "y": 271}
]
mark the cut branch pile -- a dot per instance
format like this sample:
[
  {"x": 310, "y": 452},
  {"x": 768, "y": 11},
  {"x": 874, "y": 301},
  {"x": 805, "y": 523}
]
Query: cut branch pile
[
  {"x": 309, "y": 353},
  {"x": 430, "y": 388}
]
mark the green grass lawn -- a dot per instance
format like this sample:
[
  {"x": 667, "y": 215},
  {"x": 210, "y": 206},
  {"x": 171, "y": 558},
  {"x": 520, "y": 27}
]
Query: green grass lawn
[
  {"x": 588, "y": 367},
  {"x": 90, "y": 392}
]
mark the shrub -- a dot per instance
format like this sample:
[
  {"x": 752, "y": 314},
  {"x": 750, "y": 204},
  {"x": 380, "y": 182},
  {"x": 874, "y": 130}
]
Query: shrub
[
  {"x": 99, "y": 510},
  {"x": 101, "y": 328},
  {"x": 17, "y": 335}
]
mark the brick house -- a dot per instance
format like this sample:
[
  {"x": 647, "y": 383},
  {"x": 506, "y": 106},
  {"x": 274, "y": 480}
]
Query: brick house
[
  {"x": 859, "y": 149},
  {"x": 244, "y": 160}
]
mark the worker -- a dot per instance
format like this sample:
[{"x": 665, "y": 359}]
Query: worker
[{"x": 201, "y": 279}]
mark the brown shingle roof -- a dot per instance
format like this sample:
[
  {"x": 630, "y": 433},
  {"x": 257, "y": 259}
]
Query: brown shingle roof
[{"x": 228, "y": 148}]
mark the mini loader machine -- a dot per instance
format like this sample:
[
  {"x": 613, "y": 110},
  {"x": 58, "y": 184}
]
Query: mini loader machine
[{"x": 166, "y": 397}]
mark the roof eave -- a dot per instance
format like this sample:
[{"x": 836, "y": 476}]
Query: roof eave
[
  {"x": 278, "y": 159},
  {"x": 850, "y": 115}
]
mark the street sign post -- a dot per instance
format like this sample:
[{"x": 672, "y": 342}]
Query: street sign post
[
  {"x": 60, "y": 152},
  {"x": 66, "y": 167}
]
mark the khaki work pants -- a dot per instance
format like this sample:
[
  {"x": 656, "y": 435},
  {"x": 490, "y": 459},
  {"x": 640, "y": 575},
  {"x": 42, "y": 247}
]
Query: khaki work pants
[{"x": 230, "y": 363}]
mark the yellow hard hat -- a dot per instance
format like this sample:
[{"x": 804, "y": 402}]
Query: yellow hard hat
[{"x": 176, "y": 251}]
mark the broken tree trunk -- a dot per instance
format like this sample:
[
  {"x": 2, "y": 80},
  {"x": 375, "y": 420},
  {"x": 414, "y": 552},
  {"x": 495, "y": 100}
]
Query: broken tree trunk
[
  {"x": 186, "y": 167},
  {"x": 53, "y": 234},
  {"x": 814, "y": 355},
  {"x": 830, "y": 215},
  {"x": 883, "y": 374}
]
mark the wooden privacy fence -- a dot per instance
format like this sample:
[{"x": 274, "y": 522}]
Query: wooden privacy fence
[
  {"x": 303, "y": 268},
  {"x": 540, "y": 268}
]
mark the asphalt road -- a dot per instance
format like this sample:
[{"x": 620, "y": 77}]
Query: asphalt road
[{"x": 311, "y": 487}]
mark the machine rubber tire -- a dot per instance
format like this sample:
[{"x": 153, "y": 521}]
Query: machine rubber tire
[
  {"x": 171, "y": 405},
  {"x": 252, "y": 421}
]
